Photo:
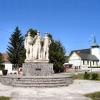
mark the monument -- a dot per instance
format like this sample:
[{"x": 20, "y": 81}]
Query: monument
[
  {"x": 37, "y": 56},
  {"x": 37, "y": 48},
  {"x": 36, "y": 70}
]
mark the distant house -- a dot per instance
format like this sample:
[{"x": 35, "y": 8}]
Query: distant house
[
  {"x": 85, "y": 57},
  {"x": 6, "y": 62}
]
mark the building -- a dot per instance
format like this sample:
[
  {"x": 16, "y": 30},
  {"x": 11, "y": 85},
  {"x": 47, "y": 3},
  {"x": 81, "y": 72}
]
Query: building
[
  {"x": 6, "y": 63},
  {"x": 86, "y": 58}
]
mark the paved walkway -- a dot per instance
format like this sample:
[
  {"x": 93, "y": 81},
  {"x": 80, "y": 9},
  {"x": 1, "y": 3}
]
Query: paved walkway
[{"x": 72, "y": 92}]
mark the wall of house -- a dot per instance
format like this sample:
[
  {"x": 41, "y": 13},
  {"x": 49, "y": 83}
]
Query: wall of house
[
  {"x": 96, "y": 52},
  {"x": 90, "y": 69},
  {"x": 86, "y": 63},
  {"x": 75, "y": 60},
  {"x": 8, "y": 67}
]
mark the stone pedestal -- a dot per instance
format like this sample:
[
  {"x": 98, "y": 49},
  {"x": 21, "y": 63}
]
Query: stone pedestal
[{"x": 37, "y": 69}]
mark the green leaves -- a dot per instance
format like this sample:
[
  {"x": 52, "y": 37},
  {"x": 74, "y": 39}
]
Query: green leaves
[
  {"x": 33, "y": 32},
  {"x": 57, "y": 55},
  {"x": 16, "y": 51}
]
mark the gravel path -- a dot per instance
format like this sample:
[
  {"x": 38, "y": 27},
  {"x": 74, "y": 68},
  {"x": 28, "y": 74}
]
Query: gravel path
[{"x": 71, "y": 92}]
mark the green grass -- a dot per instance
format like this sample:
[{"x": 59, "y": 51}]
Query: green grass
[
  {"x": 81, "y": 75},
  {"x": 4, "y": 98},
  {"x": 94, "y": 96},
  {"x": 78, "y": 76}
]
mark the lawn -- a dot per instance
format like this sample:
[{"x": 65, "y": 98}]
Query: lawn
[
  {"x": 4, "y": 98},
  {"x": 78, "y": 76},
  {"x": 81, "y": 75},
  {"x": 94, "y": 96}
]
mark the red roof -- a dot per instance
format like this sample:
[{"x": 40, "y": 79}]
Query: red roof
[{"x": 5, "y": 57}]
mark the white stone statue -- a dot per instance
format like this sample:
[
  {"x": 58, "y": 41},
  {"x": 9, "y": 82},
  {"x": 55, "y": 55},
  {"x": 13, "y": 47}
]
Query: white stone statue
[
  {"x": 46, "y": 45},
  {"x": 28, "y": 46},
  {"x": 37, "y": 47},
  {"x": 37, "y": 50}
]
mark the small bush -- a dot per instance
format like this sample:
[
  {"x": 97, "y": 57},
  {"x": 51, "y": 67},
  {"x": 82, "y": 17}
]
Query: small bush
[
  {"x": 94, "y": 76},
  {"x": 4, "y": 98},
  {"x": 2, "y": 67},
  {"x": 86, "y": 75},
  {"x": 4, "y": 72},
  {"x": 94, "y": 96}
]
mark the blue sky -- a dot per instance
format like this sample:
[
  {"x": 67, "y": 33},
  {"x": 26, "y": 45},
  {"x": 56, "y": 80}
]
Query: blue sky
[{"x": 70, "y": 21}]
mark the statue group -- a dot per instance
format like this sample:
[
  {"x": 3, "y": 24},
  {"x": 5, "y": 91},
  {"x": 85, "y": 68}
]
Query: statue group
[{"x": 37, "y": 48}]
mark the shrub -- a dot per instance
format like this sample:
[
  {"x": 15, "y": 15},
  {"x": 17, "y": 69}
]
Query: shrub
[
  {"x": 4, "y": 72},
  {"x": 86, "y": 75},
  {"x": 2, "y": 67},
  {"x": 4, "y": 98},
  {"x": 94, "y": 76},
  {"x": 94, "y": 96}
]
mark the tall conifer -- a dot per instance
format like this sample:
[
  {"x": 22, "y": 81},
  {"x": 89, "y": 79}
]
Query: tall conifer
[{"x": 16, "y": 51}]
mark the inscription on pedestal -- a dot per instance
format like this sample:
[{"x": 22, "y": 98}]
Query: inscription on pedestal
[{"x": 38, "y": 69}]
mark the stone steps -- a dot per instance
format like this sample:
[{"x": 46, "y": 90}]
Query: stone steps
[
  {"x": 50, "y": 82},
  {"x": 40, "y": 85},
  {"x": 41, "y": 80},
  {"x": 37, "y": 81}
]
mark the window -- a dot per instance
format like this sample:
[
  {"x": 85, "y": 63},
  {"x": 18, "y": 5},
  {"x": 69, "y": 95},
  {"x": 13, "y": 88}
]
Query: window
[
  {"x": 83, "y": 62},
  {"x": 93, "y": 62},
  {"x": 90, "y": 63},
  {"x": 87, "y": 62},
  {"x": 97, "y": 63}
]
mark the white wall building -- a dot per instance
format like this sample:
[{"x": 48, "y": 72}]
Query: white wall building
[{"x": 86, "y": 58}]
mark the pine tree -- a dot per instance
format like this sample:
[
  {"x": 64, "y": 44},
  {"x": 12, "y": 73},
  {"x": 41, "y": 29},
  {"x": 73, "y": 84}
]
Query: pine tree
[{"x": 16, "y": 51}]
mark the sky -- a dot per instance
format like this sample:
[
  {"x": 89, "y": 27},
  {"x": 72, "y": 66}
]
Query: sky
[{"x": 70, "y": 21}]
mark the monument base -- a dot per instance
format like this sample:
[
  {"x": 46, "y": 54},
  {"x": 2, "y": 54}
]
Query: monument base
[{"x": 37, "y": 69}]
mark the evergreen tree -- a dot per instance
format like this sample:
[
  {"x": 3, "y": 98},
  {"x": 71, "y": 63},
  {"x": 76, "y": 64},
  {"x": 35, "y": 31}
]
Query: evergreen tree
[
  {"x": 57, "y": 55},
  {"x": 16, "y": 51}
]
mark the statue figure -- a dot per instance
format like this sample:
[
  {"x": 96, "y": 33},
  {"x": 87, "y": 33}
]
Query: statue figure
[
  {"x": 46, "y": 45},
  {"x": 37, "y": 46},
  {"x": 28, "y": 46},
  {"x": 37, "y": 49}
]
